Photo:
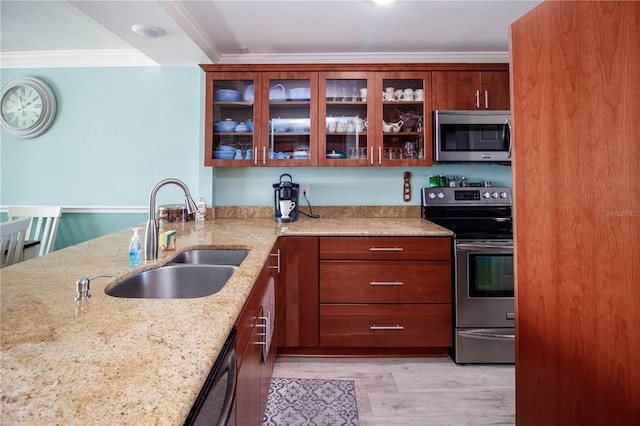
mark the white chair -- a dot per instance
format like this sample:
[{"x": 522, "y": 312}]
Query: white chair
[
  {"x": 12, "y": 237},
  {"x": 43, "y": 226}
]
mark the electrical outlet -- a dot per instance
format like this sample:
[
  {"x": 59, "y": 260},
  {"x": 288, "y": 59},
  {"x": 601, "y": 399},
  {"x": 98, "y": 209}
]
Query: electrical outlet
[{"x": 304, "y": 188}]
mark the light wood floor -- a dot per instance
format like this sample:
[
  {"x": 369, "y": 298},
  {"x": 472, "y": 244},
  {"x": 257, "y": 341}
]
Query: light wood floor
[{"x": 416, "y": 391}]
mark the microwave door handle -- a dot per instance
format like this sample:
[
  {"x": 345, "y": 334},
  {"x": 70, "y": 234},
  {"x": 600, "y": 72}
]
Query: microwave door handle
[{"x": 506, "y": 135}]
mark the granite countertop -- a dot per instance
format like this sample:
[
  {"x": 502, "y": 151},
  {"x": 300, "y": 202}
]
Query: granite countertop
[{"x": 136, "y": 361}]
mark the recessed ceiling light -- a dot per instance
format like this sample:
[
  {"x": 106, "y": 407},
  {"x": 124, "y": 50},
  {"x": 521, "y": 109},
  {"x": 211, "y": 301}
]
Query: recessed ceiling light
[
  {"x": 382, "y": 1},
  {"x": 148, "y": 31}
]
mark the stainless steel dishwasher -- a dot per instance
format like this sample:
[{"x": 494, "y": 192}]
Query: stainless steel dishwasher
[{"x": 215, "y": 402}]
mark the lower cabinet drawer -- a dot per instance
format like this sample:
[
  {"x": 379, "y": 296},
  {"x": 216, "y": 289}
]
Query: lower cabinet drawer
[
  {"x": 385, "y": 282},
  {"x": 385, "y": 325}
]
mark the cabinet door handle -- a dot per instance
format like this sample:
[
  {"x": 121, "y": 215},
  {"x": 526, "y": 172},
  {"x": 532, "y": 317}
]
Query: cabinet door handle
[
  {"x": 277, "y": 267},
  {"x": 477, "y": 98},
  {"x": 386, "y": 327},
  {"x": 386, "y": 249},
  {"x": 380, "y": 155},
  {"x": 264, "y": 155},
  {"x": 386, "y": 283},
  {"x": 486, "y": 99},
  {"x": 255, "y": 156},
  {"x": 371, "y": 156}
]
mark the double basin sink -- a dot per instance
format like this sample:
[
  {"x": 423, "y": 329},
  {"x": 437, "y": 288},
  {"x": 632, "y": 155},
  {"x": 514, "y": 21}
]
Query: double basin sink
[{"x": 194, "y": 273}]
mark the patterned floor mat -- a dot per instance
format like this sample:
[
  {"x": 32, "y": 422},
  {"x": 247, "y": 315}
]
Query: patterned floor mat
[{"x": 304, "y": 402}]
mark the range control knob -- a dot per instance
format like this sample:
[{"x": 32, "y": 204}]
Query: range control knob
[
  {"x": 494, "y": 194},
  {"x": 432, "y": 195},
  {"x": 503, "y": 194},
  {"x": 486, "y": 195},
  {"x": 440, "y": 195}
]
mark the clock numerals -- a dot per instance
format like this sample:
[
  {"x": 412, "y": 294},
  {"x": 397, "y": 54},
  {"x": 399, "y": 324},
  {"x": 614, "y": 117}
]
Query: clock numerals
[{"x": 28, "y": 107}]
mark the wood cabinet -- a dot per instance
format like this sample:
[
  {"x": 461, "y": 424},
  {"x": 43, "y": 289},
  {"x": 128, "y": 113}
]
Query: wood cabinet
[
  {"x": 230, "y": 101},
  {"x": 382, "y": 292},
  {"x": 297, "y": 293},
  {"x": 256, "y": 348},
  {"x": 575, "y": 102},
  {"x": 469, "y": 90},
  {"x": 289, "y": 115},
  {"x": 344, "y": 133},
  {"x": 337, "y": 112}
]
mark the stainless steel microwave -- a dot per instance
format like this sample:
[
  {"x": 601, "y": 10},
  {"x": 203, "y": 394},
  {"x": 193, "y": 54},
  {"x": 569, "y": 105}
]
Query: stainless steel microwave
[{"x": 471, "y": 136}]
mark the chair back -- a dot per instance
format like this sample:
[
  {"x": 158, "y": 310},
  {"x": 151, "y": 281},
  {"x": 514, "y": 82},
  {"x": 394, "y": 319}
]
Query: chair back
[
  {"x": 43, "y": 226},
  {"x": 12, "y": 237}
]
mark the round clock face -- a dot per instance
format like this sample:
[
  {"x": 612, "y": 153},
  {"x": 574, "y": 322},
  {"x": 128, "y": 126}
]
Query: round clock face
[{"x": 27, "y": 107}]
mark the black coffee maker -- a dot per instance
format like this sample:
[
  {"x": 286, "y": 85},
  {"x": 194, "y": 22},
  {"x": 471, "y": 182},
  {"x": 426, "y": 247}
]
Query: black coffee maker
[{"x": 285, "y": 200}]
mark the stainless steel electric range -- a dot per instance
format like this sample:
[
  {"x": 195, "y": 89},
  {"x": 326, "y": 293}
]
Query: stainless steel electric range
[{"x": 480, "y": 218}]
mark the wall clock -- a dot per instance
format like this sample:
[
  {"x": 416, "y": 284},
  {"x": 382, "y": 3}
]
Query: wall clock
[{"x": 28, "y": 107}]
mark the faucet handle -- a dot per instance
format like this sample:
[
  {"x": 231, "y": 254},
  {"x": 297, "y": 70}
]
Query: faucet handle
[{"x": 82, "y": 286}]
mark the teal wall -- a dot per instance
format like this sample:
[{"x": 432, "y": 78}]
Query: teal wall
[{"x": 118, "y": 131}]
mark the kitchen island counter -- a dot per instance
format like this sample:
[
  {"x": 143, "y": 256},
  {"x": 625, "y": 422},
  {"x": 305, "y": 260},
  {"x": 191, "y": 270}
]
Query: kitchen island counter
[{"x": 134, "y": 361}]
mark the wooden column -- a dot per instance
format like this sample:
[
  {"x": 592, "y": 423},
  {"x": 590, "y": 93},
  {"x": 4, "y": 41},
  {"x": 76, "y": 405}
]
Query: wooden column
[{"x": 575, "y": 98}]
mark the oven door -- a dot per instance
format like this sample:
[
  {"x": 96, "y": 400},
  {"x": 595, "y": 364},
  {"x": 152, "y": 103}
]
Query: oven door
[{"x": 484, "y": 284}]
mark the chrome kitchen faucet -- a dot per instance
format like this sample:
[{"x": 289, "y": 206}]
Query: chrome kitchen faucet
[{"x": 151, "y": 239}]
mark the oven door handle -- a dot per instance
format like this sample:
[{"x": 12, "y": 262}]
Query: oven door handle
[
  {"x": 478, "y": 247},
  {"x": 487, "y": 334}
]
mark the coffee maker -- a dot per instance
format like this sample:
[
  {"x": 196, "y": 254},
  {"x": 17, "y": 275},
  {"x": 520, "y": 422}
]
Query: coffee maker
[{"x": 285, "y": 199}]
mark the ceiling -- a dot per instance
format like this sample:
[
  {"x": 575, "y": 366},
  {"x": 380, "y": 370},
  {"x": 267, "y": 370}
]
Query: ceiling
[{"x": 98, "y": 33}]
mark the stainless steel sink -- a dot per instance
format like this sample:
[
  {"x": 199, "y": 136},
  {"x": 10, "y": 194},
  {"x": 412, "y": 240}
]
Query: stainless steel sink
[
  {"x": 212, "y": 257},
  {"x": 174, "y": 282}
]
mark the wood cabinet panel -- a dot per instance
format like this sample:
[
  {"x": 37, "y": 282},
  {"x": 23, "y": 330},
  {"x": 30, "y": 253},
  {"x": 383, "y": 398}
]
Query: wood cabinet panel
[
  {"x": 385, "y": 282},
  {"x": 380, "y": 325},
  {"x": 385, "y": 248},
  {"x": 575, "y": 104},
  {"x": 297, "y": 292},
  {"x": 249, "y": 379},
  {"x": 254, "y": 369},
  {"x": 496, "y": 84},
  {"x": 454, "y": 90},
  {"x": 470, "y": 90}
]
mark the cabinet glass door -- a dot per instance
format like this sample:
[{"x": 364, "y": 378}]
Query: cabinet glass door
[
  {"x": 291, "y": 116},
  {"x": 230, "y": 132},
  {"x": 406, "y": 119},
  {"x": 344, "y": 118}
]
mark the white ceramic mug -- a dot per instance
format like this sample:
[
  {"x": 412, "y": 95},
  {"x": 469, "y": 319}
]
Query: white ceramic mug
[
  {"x": 407, "y": 95},
  {"x": 397, "y": 95},
  {"x": 418, "y": 95},
  {"x": 331, "y": 126},
  {"x": 286, "y": 206}
]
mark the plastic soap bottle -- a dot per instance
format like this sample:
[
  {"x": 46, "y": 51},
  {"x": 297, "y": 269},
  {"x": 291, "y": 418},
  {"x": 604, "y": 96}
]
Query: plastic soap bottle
[
  {"x": 135, "y": 249},
  {"x": 202, "y": 210}
]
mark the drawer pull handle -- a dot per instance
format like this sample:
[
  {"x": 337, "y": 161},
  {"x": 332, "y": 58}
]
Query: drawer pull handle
[
  {"x": 386, "y": 249},
  {"x": 386, "y": 327},
  {"x": 386, "y": 283}
]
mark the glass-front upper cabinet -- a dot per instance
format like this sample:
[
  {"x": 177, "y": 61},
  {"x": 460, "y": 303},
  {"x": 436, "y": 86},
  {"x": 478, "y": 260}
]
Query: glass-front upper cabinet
[
  {"x": 289, "y": 115},
  {"x": 230, "y": 132},
  {"x": 405, "y": 119},
  {"x": 345, "y": 114}
]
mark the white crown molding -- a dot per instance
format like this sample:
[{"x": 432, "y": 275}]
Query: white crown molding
[
  {"x": 193, "y": 30},
  {"x": 76, "y": 59},
  {"x": 384, "y": 57},
  {"x": 133, "y": 58}
]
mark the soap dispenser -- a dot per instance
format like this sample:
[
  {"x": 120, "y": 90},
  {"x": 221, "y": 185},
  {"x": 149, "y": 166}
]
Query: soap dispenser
[{"x": 135, "y": 249}]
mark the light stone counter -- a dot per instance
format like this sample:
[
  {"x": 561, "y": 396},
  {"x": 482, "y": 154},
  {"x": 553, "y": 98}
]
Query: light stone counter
[{"x": 134, "y": 361}]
